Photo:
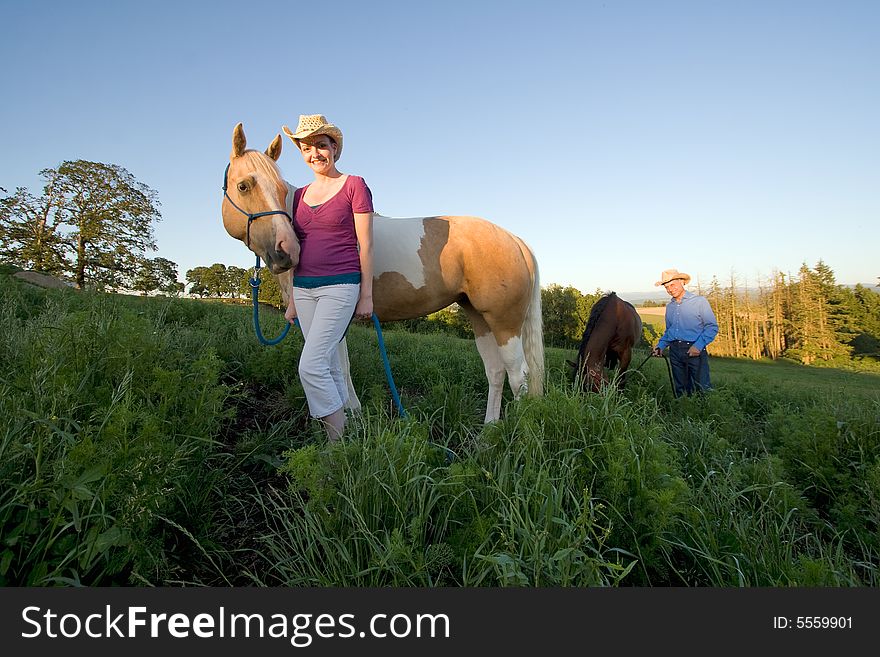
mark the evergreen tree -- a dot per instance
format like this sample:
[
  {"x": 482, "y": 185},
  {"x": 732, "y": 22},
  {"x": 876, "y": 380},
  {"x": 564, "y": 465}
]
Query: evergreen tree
[
  {"x": 717, "y": 298},
  {"x": 812, "y": 332},
  {"x": 865, "y": 312}
]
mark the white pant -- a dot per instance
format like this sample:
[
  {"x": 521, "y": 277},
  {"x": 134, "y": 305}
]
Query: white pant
[{"x": 324, "y": 314}]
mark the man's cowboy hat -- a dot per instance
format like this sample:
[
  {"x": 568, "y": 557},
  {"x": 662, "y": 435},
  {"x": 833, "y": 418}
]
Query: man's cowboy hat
[
  {"x": 672, "y": 274},
  {"x": 315, "y": 124}
]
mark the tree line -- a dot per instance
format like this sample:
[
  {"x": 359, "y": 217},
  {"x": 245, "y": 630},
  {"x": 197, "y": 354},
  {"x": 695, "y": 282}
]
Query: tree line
[
  {"x": 231, "y": 282},
  {"x": 806, "y": 317},
  {"x": 93, "y": 224}
]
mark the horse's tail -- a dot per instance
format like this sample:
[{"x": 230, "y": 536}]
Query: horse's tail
[{"x": 533, "y": 327}]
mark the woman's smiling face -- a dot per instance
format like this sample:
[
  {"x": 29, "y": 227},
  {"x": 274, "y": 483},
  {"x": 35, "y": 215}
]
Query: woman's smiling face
[{"x": 319, "y": 153}]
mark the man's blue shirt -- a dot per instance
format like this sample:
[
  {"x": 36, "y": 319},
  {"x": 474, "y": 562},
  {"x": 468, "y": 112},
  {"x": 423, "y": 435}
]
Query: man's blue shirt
[{"x": 692, "y": 320}]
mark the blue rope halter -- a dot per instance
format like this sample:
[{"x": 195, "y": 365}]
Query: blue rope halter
[
  {"x": 255, "y": 292},
  {"x": 255, "y": 279},
  {"x": 250, "y": 215}
]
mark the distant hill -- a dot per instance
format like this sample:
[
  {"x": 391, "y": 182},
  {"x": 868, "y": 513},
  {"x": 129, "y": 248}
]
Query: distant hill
[{"x": 639, "y": 298}]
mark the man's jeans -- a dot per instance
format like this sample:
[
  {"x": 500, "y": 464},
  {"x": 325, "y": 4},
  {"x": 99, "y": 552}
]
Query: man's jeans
[{"x": 689, "y": 373}]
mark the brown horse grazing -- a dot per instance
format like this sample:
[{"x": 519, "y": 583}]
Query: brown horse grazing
[
  {"x": 421, "y": 265},
  {"x": 612, "y": 329}
]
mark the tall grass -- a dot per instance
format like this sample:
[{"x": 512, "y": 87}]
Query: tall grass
[{"x": 155, "y": 442}]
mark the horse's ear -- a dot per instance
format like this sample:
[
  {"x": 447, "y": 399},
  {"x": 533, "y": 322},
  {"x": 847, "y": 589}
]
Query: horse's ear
[
  {"x": 274, "y": 150},
  {"x": 239, "y": 141}
]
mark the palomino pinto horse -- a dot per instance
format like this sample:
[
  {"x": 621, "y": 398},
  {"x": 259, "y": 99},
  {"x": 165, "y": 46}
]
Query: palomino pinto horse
[
  {"x": 421, "y": 265},
  {"x": 612, "y": 329}
]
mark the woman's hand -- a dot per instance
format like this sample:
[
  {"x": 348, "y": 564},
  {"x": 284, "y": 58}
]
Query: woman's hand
[
  {"x": 290, "y": 313},
  {"x": 364, "y": 308}
]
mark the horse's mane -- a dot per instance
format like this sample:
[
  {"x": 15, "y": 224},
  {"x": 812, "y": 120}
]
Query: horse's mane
[
  {"x": 267, "y": 167},
  {"x": 595, "y": 313},
  {"x": 264, "y": 164}
]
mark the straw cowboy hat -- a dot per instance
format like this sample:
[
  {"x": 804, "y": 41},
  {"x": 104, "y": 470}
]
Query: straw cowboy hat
[
  {"x": 315, "y": 124},
  {"x": 672, "y": 274}
]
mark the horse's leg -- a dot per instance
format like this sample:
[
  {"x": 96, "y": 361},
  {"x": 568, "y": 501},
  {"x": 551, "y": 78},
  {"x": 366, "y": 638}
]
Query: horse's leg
[
  {"x": 504, "y": 306},
  {"x": 625, "y": 359},
  {"x": 510, "y": 348},
  {"x": 492, "y": 362}
]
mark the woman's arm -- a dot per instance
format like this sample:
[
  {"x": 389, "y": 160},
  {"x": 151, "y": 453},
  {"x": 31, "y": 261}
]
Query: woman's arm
[
  {"x": 290, "y": 313},
  {"x": 363, "y": 225}
]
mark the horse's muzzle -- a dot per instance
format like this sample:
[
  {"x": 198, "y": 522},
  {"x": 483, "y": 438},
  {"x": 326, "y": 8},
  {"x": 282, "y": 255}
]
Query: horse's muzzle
[{"x": 277, "y": 262}]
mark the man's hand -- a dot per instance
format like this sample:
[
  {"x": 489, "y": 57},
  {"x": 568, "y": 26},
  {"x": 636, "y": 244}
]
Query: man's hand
[{"x": 693, "y": 352}]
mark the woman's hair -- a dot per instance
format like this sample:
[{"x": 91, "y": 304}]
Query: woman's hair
[{"x": 314, "y": 137}]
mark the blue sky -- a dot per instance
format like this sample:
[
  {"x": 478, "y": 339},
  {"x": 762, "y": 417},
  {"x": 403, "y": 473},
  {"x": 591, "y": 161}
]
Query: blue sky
[{"x": 618, "y": 138}]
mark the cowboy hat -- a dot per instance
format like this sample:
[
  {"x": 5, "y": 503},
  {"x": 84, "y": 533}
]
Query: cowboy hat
[
  {"x": 315, "y": 124},
  {"x": 671, "y": 275}
]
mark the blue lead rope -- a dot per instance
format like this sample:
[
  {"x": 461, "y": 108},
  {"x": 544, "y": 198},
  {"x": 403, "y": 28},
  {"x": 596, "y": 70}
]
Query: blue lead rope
[
  {"x": 255, "y": 289},
  {"x": 255, "y": 292},
  {"x": 387, "y": 365}
]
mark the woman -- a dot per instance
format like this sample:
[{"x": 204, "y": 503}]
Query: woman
[{"x": 333, "y": 219}]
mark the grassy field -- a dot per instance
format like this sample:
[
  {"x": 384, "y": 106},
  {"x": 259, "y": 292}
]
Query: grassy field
[{"x": 154, "y": 441}]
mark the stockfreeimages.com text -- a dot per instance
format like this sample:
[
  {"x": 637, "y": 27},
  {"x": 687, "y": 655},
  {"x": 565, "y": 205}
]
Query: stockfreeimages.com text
[{"x": 301, "y": 629}]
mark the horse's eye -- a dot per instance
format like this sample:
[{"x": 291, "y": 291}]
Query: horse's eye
[{"x": 242, "y": 187}]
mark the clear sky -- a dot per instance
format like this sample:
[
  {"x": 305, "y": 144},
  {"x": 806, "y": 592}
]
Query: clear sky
[{"x": 618, "y": 138}]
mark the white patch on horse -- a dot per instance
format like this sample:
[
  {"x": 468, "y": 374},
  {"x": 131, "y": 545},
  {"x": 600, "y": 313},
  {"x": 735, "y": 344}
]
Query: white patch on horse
[
  {"x": 515, "y": 363},
  {"x": 270, "y": 191},
  {"x": 396, "y": 244},
  {"x": 494, "y": 367}
]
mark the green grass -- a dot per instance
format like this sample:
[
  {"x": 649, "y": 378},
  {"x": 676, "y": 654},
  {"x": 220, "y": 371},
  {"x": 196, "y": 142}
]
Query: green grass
[
  {"x": 793, "y": 376},
  {"x": 154, "y": 441}
]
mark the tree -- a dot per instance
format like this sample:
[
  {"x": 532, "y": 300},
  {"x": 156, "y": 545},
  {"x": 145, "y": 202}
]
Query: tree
[
  {"x": 270, "y": 290},
  {"x": 777, "y": 315},
  {"x": 812, "y": 334},
  {"x": 559, "y": 306},
  {"x": 159, "y": 274},
  {"x": 454, "y": 321},
  {"x": 232, "y": 281},
  {"x": 216, "y": 279},
  {"x": 865, "y": 312},
  {"x": 717, "y": 298},
  {"x": 112, "y": 217},
  {"x": 30, "y": 229},
  {"x": 196, "y": 279},
  {"x": 208, "y": 281},
  {"x": 585, "y": 303}
]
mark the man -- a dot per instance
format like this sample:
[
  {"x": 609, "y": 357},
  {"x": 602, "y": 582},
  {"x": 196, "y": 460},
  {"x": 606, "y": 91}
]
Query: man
[{"x": 690, "y": 326}]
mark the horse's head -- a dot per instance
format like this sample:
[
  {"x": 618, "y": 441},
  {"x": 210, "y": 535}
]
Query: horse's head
[
  {"x": 256, "y": 204},
  {"x": 590, "y": 376}
]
